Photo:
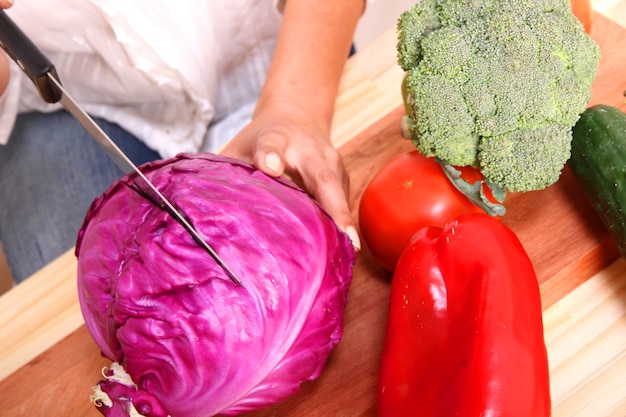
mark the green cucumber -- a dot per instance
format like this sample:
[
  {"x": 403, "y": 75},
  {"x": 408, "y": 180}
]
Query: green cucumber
[{"x": 599, "y": 162}]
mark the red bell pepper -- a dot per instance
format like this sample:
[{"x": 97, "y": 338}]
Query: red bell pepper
[{"x": 465, "y": 330}]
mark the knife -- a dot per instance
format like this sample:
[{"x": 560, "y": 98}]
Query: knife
[{"x": 43, "y": 74}]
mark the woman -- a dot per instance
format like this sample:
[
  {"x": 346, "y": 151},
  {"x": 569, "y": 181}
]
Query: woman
[{"x": 162, "y": 78}]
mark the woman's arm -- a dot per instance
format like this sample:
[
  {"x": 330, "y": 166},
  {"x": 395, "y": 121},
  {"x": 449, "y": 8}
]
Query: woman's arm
[{"x": 290, "y": 129}]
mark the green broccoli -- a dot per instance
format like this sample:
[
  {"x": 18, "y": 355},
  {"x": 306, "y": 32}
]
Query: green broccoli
[{"x": 496, "y": 84}]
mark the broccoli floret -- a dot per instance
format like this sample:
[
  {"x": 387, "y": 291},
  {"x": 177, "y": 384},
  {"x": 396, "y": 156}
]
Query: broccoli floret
[
  {"x": 496, "y": 84},
  {"x": 541, "y": 150}
]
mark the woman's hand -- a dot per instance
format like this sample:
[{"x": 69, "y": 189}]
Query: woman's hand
[
  {"x": 284, "y": 140},
  {"x": 290, "y": 130}
]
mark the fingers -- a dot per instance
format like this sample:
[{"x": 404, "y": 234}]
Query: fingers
[
  {"x": 269, "y": 156},
  {"x": 324, "y": 177},
  {"x": 330, "y": 188},
  {"x": 5, "y": 4},
  {"x": 318, "y": 168}
]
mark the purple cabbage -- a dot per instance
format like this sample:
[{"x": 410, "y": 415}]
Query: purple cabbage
[{"x": 194, "y": 343}]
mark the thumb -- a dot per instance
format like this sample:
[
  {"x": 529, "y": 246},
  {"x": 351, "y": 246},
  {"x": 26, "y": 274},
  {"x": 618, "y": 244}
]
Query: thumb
[
  {"x": 270, "y": 162},
  {"x": 269, "y": 153}
]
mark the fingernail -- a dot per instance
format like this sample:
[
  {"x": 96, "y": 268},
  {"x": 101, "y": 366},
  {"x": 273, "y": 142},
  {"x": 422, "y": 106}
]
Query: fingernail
[
  {"x": 354, "y": 237},
  {"x": 272, "y": 161}
]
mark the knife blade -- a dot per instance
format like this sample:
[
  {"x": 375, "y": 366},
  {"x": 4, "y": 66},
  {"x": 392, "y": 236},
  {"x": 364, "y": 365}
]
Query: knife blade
[{"x": 43, "y": 74}]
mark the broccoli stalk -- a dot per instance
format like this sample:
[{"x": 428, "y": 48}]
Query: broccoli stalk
[
  {"x": 475, "y": 191},
  {"x": 496, "y": 84}
]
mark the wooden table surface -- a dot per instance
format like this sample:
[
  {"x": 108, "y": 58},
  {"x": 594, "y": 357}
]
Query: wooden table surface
[{"x": 48, "y": 362}]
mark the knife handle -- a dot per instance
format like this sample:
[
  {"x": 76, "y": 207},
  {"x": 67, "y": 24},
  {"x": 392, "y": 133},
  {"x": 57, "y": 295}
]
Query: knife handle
[{"x": 29, "y": 58}]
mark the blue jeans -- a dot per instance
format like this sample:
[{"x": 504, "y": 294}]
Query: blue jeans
[{"x": 50, "y": 172}]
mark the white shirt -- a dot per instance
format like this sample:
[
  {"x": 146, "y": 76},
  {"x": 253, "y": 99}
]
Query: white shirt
[{"x": 165, "y": 71}]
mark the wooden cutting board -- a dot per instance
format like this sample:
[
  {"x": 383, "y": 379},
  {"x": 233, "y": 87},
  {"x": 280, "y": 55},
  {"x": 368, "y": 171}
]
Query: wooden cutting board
[{"x": 582, "y": 279}]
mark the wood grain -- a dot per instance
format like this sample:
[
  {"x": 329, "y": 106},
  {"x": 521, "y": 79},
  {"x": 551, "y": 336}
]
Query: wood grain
[
  {"x": 582, "y": 281},
  {"x": 55, "y": 383}
]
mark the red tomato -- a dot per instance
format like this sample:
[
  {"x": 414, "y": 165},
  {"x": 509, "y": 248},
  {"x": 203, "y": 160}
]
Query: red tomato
[
  {"x": 410, "y": 192},
  {"x": 583, "y": 11}
]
